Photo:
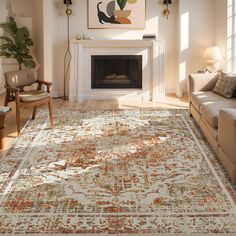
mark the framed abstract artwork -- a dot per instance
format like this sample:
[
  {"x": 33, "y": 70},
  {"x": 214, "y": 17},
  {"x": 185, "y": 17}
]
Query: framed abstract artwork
[{"x": 116, "y": 14}]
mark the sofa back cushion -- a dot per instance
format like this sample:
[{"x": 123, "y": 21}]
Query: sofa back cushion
[
  {"x": 225, "y": 85},
  {"x": 202, "y": 82},
  {"x": 211, "y": 84}
]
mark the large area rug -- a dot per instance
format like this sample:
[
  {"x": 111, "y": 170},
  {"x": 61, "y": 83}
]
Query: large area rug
[{"x": 124, "y": 172}]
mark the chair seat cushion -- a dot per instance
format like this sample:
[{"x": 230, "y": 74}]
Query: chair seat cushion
[{"x": 33, "y": 95}]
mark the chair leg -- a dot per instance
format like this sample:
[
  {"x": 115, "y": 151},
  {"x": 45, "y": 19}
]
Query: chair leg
[
  {"x": 6, "y": 101},
  {"x": 18, "y": 119},
  {"x": 34, "y": 112},
  {"x": 50, "y": 112}
]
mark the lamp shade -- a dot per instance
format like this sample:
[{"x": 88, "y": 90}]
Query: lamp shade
[
  {"x": 212, "y": 54},
  {"x": 67, "y": 2}
]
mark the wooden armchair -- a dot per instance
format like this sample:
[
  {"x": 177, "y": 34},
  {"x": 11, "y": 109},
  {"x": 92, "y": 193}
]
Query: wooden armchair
[{"x": 16, "y": 81}]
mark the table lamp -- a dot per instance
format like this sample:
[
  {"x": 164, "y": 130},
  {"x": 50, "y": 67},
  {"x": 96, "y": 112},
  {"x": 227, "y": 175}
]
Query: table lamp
[{"x": 212, "y": 56}]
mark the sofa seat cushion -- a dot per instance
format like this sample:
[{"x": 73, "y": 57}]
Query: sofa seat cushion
[
  {"x": 210, "y": 110},
  {"x": 198, "y": 98}
]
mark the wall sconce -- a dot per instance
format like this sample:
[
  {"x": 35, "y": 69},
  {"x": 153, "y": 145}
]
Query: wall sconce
[
  {"x": 166, "y": 12},
  {"x": 67, "y": 57},
  {"x": 68, "y": 11}
]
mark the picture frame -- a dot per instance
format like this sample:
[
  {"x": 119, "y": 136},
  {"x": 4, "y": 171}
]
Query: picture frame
[{"x": 116, "y": 14}]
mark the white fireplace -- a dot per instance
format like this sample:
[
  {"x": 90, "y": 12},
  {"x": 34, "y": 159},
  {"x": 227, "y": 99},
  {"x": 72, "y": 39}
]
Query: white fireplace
[{"x": 151, "y": 52}]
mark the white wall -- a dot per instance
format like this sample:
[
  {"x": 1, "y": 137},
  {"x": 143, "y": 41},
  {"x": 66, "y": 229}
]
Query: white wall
[
  {"x": 155, "y": 23},
  {"x": 25, "y": 15},
  {"x": 23, "y": 8},
  {"x": 38, "y": 35},
  {"x": 168, "y": 30},
  {"x": 221, "y": 29},
  {"x": 200, "y": 33},
  {"x": 3, "y": 14},
  {"x": 196, "y": 32}
]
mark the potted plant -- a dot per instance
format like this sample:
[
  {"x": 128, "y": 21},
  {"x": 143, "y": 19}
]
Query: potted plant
[{"x": 15, "y": 43}]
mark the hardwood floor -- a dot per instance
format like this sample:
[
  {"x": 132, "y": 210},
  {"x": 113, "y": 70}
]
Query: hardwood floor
[{"x": 10, "y": 134}]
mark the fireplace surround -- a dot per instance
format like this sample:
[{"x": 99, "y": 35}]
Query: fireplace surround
[{"x": 152, "y": 88}]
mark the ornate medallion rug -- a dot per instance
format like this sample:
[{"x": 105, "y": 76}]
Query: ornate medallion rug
[{"x": 121, "y": 172}]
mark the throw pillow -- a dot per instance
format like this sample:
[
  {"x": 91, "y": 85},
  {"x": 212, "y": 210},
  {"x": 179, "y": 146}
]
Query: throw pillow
[{"x": 225, "y": 85}]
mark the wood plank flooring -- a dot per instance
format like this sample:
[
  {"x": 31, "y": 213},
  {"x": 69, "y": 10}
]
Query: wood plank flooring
[{"x": 10, "y": 134}]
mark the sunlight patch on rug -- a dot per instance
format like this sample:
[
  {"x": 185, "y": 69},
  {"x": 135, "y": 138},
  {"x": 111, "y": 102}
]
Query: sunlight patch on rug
[{"x": 114, "y": 172}]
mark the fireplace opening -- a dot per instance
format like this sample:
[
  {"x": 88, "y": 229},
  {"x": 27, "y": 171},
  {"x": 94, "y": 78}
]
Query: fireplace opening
[{"x": 118, "y": 71}]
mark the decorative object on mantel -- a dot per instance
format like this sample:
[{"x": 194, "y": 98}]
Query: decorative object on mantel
[
  {"x": 212, "y": 56},
  {"x": 84, "y": 37},
  {"x": 166, "y": 12},
  {"x": 149, "y": 36},
  {"x": 116, "y": 14},
  {"x": 67, "y": 57}
]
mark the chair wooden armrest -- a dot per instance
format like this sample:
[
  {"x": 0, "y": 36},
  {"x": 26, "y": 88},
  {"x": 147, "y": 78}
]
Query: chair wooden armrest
[
  {"x": 44, "y": 82},
  {"x": 11, "y": 94},
  {"x": 48, "y": 84},
  {"x": 13, "y": 90}
]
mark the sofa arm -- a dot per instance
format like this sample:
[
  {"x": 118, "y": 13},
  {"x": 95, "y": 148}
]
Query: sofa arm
[
  {"x": 227, "y": 133},
  {"x": 202, "y": 82}
]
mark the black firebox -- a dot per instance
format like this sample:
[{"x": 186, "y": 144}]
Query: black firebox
[{"x": 116, "y": 71}]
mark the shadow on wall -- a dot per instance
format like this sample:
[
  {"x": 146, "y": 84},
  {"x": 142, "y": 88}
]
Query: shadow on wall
[
  {"x": 184, "y": 46},
  {"x": 59, "y": 7},
  {"x": 231, "y": 38}
]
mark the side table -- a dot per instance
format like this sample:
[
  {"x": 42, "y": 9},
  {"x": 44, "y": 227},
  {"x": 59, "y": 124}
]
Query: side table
[{"x": 3, "y": 111}]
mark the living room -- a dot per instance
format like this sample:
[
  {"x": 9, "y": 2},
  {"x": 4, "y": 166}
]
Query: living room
[{"x": 132, "y": 127}]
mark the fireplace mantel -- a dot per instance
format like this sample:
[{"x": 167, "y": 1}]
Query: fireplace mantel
[{"x": 153, "y": 69}]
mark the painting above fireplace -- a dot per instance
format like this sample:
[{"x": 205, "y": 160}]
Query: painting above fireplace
[
  {"x": 116, "y": 71},
  {"x": 116, "y": 14}
]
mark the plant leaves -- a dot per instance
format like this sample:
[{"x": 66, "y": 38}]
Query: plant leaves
[
  {"x": 29, "y": 64},
  {"x": 5, "y": 54},
  {"x": 7, "y": 39},
  {"x": 16, "y": 42}
]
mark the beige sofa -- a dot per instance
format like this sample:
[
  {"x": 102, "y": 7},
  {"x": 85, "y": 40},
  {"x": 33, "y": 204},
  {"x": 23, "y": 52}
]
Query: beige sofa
[{"x": 216, "y": 116}]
